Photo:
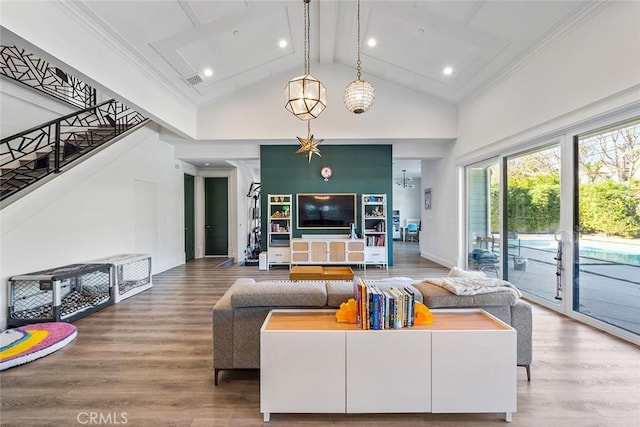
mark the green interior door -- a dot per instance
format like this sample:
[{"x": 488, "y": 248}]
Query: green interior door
[
  {"x": 189, "y": 218},
  {"x": 216, "y": 216}
]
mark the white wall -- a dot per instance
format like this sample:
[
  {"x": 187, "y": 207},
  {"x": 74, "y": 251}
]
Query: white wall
[
  {"x": 439, "y": 222},
  {"x": 258, "y": 112},
  {"x": 126, "y": 199},
  {"x": 572, "y": 80},
  {"x": 591, "y": 71},
  {"x": 16, "y": 98}
]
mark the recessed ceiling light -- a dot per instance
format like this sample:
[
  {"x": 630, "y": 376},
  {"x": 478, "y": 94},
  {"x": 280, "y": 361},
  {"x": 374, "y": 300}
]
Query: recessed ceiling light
[
  {"x": 372, "y": 42},
  {"x": 207, "y": 164},
  {"x": 208, "y": 72},
  {"x": 447, "y": 71},
  {"x": 283, "y": 43}
]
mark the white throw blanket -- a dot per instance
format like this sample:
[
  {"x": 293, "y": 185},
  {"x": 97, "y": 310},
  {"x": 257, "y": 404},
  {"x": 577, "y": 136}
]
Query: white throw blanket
[{"x": 473, "y": 286}]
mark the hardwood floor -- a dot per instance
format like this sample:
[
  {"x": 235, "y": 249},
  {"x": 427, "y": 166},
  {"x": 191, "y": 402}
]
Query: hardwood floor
[{"x": 147, "y": 362}]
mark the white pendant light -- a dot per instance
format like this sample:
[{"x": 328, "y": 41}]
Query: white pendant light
[
  {"x": 359, "y": 95},
  {"x": 306, "y": 95}
]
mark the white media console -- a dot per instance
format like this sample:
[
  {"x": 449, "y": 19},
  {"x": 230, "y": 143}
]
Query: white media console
[{"x": 464, "y": 362}]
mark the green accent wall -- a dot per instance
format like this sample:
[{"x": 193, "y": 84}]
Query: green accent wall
[{"x": 356, "y": 169}]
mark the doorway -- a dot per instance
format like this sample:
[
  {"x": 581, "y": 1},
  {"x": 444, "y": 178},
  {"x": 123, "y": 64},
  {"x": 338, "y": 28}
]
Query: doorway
[
  {"x": 216, "y": 217},
  {"x": 607, "y": 225},
  {"x": 189, "y": 218},
  {"x": 532, "y": 247}
]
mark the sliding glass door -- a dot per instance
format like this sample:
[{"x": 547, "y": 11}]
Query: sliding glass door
[
  {"x": 607, "y": 219},
  {"x": 533, "y": 250},
  {"x": 483, "y": 216},
  {"x": 561, "y": 221}
]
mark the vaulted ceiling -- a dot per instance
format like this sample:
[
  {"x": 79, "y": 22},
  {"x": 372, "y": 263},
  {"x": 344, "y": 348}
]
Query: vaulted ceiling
[
  {"x": 245, "y": 42},
  {"x": 239, "y": 41}
]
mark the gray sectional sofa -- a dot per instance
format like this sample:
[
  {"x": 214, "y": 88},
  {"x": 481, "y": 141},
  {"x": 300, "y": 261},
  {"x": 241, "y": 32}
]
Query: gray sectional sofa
[{"x": 241, "y": 311}]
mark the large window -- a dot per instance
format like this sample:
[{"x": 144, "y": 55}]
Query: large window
[
  {"x": 607, "y": 217},
  {"x": 561, "y": 221}
]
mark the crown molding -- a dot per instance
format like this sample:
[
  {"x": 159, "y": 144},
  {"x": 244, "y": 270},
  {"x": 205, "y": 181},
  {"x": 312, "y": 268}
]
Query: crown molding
[
  {"x": 84, "y": 17},
  {"x": 563, "y": 25}
]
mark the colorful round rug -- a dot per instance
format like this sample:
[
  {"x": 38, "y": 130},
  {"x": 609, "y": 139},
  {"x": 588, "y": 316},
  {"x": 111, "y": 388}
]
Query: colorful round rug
[{"x": 30, "y": 342}]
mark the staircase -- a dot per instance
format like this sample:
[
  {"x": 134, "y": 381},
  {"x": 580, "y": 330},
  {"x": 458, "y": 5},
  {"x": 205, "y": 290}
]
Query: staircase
[{"x": 30, "y": 156}]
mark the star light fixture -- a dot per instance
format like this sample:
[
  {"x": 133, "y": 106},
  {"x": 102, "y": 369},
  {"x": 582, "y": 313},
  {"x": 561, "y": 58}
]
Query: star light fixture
[
  {"x": 306, "y": 95},
  {"x": 308, "y": 145},
  {"x": 359, "y": 95}
]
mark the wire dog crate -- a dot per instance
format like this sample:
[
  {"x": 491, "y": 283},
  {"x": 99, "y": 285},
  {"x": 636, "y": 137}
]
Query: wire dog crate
[
  {"x": 132, "y": 274},
  {"x": 60, "y": 294}
]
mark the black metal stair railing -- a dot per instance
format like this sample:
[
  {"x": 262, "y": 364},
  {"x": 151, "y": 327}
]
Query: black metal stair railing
[
  {"x": 23, "y": 67},
  {"x": 31, "y": 155}
]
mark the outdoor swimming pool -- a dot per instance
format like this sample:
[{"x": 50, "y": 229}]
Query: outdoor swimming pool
[{"x": 613, "y": 252}]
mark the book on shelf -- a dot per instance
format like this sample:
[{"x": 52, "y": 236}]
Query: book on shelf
[
  {"x": 383, "y": 309},
  {"x": 411, "y": 299}
]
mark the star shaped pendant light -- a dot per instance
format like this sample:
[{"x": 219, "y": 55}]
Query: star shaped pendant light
[{"x": 309, "y": 146}]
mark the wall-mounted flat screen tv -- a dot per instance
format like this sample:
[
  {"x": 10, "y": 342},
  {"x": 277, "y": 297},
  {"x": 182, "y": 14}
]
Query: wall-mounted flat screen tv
[{"x": 326, "y": 210}]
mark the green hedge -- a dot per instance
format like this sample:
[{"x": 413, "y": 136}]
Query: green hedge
[
  {"x": 610, "y": 208},
  {"x": 605, "y": 207}
]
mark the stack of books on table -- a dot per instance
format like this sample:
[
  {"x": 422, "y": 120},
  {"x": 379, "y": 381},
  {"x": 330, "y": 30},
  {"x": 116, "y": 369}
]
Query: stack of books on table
[{"x": 391, "y": 308}]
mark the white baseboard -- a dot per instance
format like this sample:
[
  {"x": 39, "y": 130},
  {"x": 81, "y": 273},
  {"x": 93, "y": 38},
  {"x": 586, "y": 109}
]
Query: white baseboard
[{"x": 437, "y": 259}]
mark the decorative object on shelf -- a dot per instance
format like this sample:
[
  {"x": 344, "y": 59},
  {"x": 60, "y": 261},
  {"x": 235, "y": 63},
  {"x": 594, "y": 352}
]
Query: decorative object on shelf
[
  {"x": 326, "y": 173},
  {"x": 352, "y": 234},
  {"x": 306, "y": 95},
  {"x": 422, "y": 316},
  {"x": 348, "y": 311},
  {"x": 405, "y": 182},
  {"x": 375, "y": 213},
  {"x": 359, "y": 95},
  {"x": 309, "y": 146},
  {"x": 427, "y": 198}
]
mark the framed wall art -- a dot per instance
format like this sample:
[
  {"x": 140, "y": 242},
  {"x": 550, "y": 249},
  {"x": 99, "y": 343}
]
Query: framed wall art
[{"x": 427, "y": 198}]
